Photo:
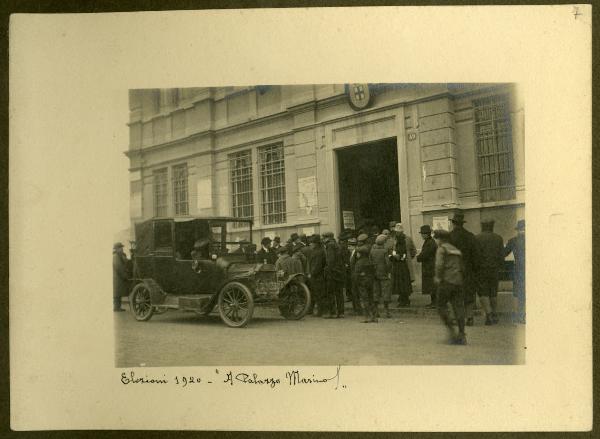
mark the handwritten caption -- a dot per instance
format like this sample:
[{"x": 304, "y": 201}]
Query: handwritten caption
[{"x": 291, "y": 378}]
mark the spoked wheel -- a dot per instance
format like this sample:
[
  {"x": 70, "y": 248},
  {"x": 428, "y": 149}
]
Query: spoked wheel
[
  {"x": 294, "y": 300},
  {"x": 235, "y": 304},
  {"x": 140, "y": 302}
]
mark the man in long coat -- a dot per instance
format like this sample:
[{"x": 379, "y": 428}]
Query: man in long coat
[
  {"x": 334, "y": 276},
  {"x": 491, "y": 246},
  {"x": 316, "y": 276},
  {"x": 516, "y": 245},
  {"x": 427, "y": 259},
  {"x": 120, "y": 276},
  {"x": 465, "y": 241}
]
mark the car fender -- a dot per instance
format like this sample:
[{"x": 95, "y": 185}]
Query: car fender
[
  {"x": 297, "y": 276},
  {"x": 157, "y": 295}
]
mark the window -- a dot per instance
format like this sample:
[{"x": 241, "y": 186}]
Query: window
[
  {"x": 272, "y": 184},
  {"x": 160, "y": 192},
  {"x": 163, "y": 240},
  {"x": 240, "y": 165},
  {"x": 493, "y": 135},
  {"x": 180, "y": 189}
]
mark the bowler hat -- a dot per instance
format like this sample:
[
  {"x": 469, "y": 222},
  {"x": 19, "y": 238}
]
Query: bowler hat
[
  {"x": 426, "y": 229},
  {"x": 520, "y": 225},
  {"x": 315, "y": 238},
  {"x": 458, "y": 218},
  {"x": 117, "y": 245}
]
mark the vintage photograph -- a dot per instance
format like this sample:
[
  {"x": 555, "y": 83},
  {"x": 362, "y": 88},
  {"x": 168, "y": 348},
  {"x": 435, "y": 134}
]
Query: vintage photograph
[{"x": 354, "y": 224}]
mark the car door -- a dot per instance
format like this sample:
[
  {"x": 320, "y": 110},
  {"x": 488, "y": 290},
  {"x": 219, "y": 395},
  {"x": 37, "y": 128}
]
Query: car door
[{"x": 163, "y": 259}]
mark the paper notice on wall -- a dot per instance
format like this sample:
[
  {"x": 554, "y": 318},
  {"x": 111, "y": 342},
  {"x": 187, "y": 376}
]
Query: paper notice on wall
[
  {"x": 348, "y": 219},
  {"x": 307, "y": 194},
  {"x": 204, "y": 193},
  {"x": 441, "y": 223}
]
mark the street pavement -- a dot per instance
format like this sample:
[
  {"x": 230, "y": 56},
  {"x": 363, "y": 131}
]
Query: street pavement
[{"x": 412, "y": 336}]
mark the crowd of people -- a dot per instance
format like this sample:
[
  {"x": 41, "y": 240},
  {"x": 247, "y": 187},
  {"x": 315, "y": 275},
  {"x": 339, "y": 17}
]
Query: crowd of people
[{"x": 369, "y": 267}]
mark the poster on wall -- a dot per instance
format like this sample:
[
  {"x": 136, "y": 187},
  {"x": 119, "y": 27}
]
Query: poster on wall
[
  {"x": 441, "y": 223},
  {"x": 348, "y": 219},
  {"x": 307, "y": 194}
]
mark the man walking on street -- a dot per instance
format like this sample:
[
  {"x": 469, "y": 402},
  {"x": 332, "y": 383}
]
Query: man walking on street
[
  {"x": 120, "y": 276},
  {"x": 449, "y": 279},
  {"x": 364, "y": 273},
  {"x": 427, "y": 260},
  {"x": 516, "y": 245},
  {"x": 316, "y": 277},
  {"x": 382, "y": 282},
  {"x": 465, "y": 241},
  {"x": 334, "y": 276},
  {"x": 491, "y": 246}
]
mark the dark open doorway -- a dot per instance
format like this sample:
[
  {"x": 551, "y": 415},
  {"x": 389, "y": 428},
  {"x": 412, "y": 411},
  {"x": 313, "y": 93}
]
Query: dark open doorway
[{"x": 368, "y": 183}]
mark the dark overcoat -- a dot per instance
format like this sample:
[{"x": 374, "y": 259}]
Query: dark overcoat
[
  {"x": 427, "y": 260},
  {"x": 120, "y": 275}
]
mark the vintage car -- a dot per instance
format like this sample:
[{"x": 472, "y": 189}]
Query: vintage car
[{"x": 168, "y": 273}]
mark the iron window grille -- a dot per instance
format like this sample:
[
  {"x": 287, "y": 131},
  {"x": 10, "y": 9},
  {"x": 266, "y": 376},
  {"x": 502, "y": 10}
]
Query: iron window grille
[
  {"x": 160, "y": 192},
  {"x": 493, "y": 134},
  {"x": 272, "y": 184},
  {"x": 180, "y": 189},
  {"x": 242, "y": 204}
]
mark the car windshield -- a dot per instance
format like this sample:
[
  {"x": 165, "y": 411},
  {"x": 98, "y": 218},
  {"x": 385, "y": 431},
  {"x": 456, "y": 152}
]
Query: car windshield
[{"x": 231, "y": 237}]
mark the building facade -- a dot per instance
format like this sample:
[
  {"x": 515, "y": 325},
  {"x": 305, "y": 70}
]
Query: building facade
[{"x": 316, "y": 158}]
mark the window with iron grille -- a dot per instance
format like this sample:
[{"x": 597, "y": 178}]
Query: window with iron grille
[
  {"x": 242, "y": 205},
  {"x": 180, "y": 189},
  {"x": 160, "y": 192},
  {"x": 272, "y": 184},
  {"x": 493, "y": 135}
]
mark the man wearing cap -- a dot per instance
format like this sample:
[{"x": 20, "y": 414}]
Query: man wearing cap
[
  {"x": 465, "y": 241},
  {"x": 516, "y": 246},
  {"x": 400, "y": 271},
  {"x": 285, "y": 264},
  {"x": 297, "y": 244},
  {"x": 382, "y": 282},
  {"x": 316, "y": 276},
  {"x": 120, "y": 276},
  {"x": 266, "y": 254},
  {"x": 334, "y": 276},
  {"x": 364, "y": 273},
  {"x": 449, "y": 275},
  {"x": 427, "y": 260},
  {"x": 491, "y": 247}
]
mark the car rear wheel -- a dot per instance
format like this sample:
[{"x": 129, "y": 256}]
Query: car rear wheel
[
  {"x": 294, "y": 300},
  {"x": 236, "y": 304},
  {"x": 140, "y": 303}
]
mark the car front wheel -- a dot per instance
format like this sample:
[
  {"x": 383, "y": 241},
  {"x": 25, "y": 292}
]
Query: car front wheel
[
  {"x": 140, "y": 302},
  {"x": 236, "y": 304}
]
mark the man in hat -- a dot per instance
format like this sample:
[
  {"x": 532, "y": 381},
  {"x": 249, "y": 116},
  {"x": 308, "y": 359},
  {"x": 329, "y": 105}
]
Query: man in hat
[
  {"x": 276, "y": 243},
  {"x": 354, "y": 294},
  {"x": 364, "y": 274},
  {"x": 266, "y": 254},
  {"x": 491, "y": 260},
  {"x": 334, "y": 276},
  {"x": 345, "y": 255},
  {"x": 382, "y": 288},
  {"x": 297, "y": 243},
  {"x": 449, "y": 278},
  {"x": 285, "y": 264},
  {"x": 316, "y": 276},
  {"x": 465, "y": 241},
  {"x": 427, "y": 260},
  {"x": 516, "y": 246},
  {"x": 400, "y": 257},
  {"x": 120, "y": 276}
]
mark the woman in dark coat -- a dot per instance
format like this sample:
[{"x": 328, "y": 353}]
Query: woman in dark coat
[{"x": 400, "y": 273}]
